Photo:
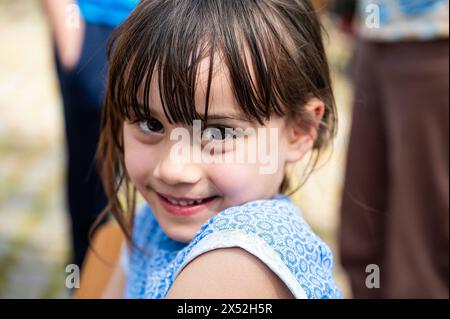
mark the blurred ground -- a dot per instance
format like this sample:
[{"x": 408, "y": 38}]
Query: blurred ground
[{"x": 33, "y": 226}]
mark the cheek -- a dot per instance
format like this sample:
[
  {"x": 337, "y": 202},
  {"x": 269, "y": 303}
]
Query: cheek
[
  {"x": 138, "y": 162},
  {"x": 231, "y": 180},
  {"x": 241, "y": 183}
]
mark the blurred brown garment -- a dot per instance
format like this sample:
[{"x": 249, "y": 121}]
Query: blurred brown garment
[{"x": 395, "y": 210}]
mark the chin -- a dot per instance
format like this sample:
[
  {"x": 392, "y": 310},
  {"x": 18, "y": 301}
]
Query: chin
[{"x": 181, "y": 234}]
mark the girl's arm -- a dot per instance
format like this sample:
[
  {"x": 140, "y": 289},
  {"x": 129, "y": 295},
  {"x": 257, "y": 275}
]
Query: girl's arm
[
  {"x": 67, "y": 28},
  {"x": 228, "y": 273},
  {"x": 115, "y": 287}
]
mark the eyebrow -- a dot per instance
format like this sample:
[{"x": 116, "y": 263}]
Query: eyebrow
[{"x": 237, "y": 117}]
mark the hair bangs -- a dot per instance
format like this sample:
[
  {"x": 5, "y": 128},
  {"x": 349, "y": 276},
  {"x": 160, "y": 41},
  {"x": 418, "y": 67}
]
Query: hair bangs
[{"x": 172, "y": 42}]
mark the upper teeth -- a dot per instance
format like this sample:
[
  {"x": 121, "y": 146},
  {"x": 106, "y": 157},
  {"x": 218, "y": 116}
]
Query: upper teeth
[{"x": 185, "y": 203}]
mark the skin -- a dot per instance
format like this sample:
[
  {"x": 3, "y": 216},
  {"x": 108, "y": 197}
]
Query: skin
[
  {"x": 67, "y": 28},
  {"x": 224, "y": 273}
]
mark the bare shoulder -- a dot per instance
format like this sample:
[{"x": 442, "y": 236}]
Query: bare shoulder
[{"x": 228, "y": 273}]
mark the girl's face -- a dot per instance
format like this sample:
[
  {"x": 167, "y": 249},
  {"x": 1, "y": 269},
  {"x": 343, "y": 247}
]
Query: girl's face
[{"x": 183, "y": 191}]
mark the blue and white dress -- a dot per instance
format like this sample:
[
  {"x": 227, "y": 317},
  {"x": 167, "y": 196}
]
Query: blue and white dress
[{"x": 272, "y": 230}]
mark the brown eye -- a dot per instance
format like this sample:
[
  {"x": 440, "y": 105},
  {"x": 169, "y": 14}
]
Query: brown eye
[
  {"x": 218, "y": 133},
  {"x": 151, "y": 126}
]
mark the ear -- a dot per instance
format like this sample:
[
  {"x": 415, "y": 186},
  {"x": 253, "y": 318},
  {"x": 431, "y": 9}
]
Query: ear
[{"x": 301, "y": 136}]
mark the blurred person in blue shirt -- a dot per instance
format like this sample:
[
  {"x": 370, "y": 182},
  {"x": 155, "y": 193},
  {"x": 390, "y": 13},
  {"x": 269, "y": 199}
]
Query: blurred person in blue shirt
[
  {"x": 80, "y": 32},
  {"x": 106, "y": 12}
]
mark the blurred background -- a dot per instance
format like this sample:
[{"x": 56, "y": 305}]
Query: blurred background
[{"x": 34, "y": 226}]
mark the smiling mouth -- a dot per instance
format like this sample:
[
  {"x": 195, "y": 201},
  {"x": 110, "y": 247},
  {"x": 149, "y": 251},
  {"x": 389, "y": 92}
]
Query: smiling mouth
[
  {"x": 184, "y": 207},
  {"x": 186, "y": 202}
]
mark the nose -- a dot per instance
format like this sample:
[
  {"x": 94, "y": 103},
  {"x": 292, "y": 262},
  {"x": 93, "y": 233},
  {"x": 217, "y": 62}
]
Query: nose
[{"x": 177, "y": 172}]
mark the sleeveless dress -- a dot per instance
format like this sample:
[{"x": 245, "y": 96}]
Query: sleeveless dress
[{"x": 272, "y": 230}]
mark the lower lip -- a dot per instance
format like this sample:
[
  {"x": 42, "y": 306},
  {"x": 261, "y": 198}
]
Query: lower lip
[{"x": 185, "y": 210}]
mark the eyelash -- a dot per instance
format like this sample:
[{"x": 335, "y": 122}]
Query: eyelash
[
  {"x": 223, "y": 131},
  {"x": 138, "y": 122},
  {"x": 221, "y": 128}
]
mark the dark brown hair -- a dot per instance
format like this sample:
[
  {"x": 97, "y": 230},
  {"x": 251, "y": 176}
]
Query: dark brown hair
[{"x": 273, "y": 50}]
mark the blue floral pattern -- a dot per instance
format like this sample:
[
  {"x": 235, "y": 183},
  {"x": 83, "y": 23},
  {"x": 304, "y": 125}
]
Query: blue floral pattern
[{"x": 273, "y": 230}]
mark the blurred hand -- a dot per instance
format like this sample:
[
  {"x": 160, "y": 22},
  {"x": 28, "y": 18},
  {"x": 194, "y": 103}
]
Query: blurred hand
[{"x": 67, "y": 28}]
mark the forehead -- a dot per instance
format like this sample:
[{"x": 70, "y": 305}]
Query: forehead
[{"x": 221, "y": 96}]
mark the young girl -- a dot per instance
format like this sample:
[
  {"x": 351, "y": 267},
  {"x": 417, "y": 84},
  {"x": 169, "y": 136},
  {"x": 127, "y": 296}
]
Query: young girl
[{"x": 251, "y": 72}]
